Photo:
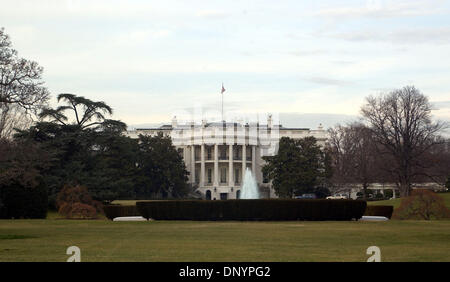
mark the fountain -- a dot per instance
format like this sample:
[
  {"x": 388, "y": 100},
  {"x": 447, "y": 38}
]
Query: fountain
[{"x": 249, "y": 187}]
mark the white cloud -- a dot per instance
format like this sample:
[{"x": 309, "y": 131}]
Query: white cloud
[
  {"x": 212, "y": 14},
  {"x": 439, "y": 35},
  {"x": 43, "y": 9},
  {"x": 327, "y": 81},
  {"x": 136, "y": 55},
  {"x": 303, "y": 53},
  {"x": 139, "y": 36},
  {"x": 382, "y": 9}
]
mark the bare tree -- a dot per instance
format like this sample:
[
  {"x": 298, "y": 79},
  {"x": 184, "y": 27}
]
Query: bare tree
[
  {"x": 354, "y": 157},
  {"x": 434, "y": 164},
  {"x": 401, "y": 123},
  {"x": 338, "y": 148},
  {"x": 12, "y": 117},
  {"x": 20, "y": 79}
]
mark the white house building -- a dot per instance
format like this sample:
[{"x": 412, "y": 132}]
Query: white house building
[{"x": 217, "y": 153}]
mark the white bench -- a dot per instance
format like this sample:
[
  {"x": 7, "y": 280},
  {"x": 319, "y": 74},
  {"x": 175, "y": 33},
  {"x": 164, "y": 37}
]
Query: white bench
[
  {"x": 374, "y": 218},
  {"x": 129, "y": 218}
]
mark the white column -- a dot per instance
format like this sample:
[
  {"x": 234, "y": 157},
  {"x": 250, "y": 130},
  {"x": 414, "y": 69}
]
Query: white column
[
  {"x": 254, "y": 160},
  {"x": 202, "y": 166},
  {"x": 230, "y": 166},
  {"x": 193, "y": 164},
  {"x": 244, "y": 162},
  {"x": 216, "y": 165}
]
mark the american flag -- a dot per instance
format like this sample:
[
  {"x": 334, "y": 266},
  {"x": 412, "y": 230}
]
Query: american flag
[{"x": 223, "y": 89}]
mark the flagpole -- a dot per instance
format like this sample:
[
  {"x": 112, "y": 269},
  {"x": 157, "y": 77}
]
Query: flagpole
[
  {"x": 221, "y": 92},
  {"x": 222, "y": 108}
]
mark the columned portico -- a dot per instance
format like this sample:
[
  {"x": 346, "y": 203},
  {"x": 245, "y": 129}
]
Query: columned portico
[
  {"x": 193, "y": 164},
  {"x": 216, "y": 165},
  {"x": 215, "y": 174},
  {"x": 202, "y": 165},
  {"x": 253, "y": 160},
  {"x": 244, "y": 161},
  {"x": 230, "y": 166}
]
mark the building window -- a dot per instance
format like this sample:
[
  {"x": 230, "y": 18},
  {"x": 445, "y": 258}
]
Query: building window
[
  {"x": 238, "y": 194},
  {"x": 265, "y": 178},
  {"x": 197, "y": 153},
  {"x": 209, "y": 175},
  {"x": 209, "y": 153},
  {"x": 236, "y": 175},
  {"x": 208, "y": 195},
  {"x": 223, "y": 175},
  {"x": 223, "y": 154}
]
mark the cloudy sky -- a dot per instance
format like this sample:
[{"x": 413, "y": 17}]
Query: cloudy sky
[{"x": 305, "y": 61}]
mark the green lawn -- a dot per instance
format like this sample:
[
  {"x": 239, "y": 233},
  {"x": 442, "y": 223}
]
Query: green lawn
[
  {"x": 125, "y": 202},
  {"x": 102, "y": 240},
  {"x": 396, "y": 202}
]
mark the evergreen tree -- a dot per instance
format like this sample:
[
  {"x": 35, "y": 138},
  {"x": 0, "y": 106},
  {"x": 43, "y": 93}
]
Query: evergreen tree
[
  {"x": 161, "y": 168},
  {"x": 300, "y": 166},
  {"x": 89, "y": 150}
]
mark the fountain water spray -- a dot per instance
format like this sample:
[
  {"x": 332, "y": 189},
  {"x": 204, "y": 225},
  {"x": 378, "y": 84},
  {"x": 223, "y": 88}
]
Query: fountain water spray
[{"x": 249, "y": 187}]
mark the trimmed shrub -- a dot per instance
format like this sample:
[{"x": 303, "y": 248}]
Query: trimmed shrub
[
  {"x": 388, "y": 194},
  {"x": 78, "y": 210},
  {"x": 76, "y": 202},
  {"x": 18, "y": 201},
  {"x": 379, "y": 211},
  {"x": 113, "y": 211},
  {"x": 422, "y": 204},
  {"x": 263, "y": 209}
]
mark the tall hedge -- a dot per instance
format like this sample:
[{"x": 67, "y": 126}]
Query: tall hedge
[
  {"x": 18, "y": 201},
  {"x": 113, "y": 211},
  {"x": 264, "y": 209},
  {"x": 374, "y": 210}
]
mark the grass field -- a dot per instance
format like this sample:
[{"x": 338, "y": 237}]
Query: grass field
[
  {"x": 102, "y": 240},
  {"x": 396, "y": 202}
]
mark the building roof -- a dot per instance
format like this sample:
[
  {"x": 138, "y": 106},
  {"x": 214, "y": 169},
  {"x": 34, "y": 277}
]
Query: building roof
[{"x": 217, "y": 124}]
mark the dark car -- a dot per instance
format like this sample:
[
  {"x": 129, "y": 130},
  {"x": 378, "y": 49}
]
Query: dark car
[{"x": 307, "y": 196}]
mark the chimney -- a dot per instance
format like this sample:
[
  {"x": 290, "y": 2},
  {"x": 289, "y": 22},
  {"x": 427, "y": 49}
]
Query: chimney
[
  {"x": 269, "y": 121},
  {"x": 174, "y": 122},
  {"x": 320, "y": 127}
]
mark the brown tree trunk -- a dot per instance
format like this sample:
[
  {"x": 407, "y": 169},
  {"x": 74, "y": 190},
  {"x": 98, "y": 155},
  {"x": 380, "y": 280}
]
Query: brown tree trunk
[
  {"x": 365, "y": 185},
  {"x": 405, "y": 188}
]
